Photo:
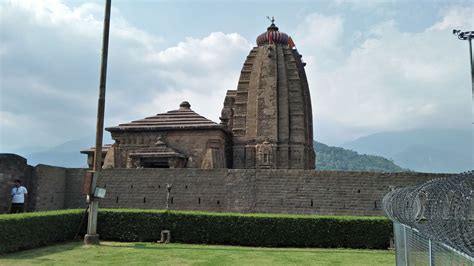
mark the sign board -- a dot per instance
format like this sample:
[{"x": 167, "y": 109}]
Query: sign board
[{"x": 99, "y": 192}]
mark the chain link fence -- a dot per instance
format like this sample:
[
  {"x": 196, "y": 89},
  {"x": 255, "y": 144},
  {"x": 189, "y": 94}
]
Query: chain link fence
[{"x": 434, "y": 221}]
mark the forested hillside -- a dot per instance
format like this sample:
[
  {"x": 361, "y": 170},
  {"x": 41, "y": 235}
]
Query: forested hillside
[{"x": 335, "y": 158}]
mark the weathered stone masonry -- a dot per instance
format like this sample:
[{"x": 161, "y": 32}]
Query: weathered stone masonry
[
  {"x": 49, "y": 187},
  {"x": 235, "y": 190},
  {"x": 13, "y": 167},
  {"x": 239, "y": 190}
]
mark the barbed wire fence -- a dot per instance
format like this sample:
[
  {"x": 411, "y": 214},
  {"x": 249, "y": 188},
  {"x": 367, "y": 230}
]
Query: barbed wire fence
[{"x": 434, "y": 221}]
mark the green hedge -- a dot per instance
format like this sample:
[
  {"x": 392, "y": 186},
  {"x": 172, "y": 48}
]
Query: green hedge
[
  {"x": 272, "y": 230},
  {"x": 28, "y": 230}
]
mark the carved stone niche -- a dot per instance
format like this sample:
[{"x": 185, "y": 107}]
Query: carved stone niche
[
  {"x": 133, "y": 162},
  {"x": 265, "y": 154},
  {"x": 250, "y": 156},
  {"x": 296, "y": 158}
]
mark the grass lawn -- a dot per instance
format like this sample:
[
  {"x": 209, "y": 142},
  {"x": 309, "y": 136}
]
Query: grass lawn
[{"x": 117, "y": 253}]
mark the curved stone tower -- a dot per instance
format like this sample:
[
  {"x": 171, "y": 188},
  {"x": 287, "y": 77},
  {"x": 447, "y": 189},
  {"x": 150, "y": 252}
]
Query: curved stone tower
[{"x": 270, "y": 114}]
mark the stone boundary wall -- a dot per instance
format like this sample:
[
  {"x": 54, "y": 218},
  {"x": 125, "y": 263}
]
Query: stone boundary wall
[
  {"x": 13, "y": 167},
  {"x": 325, "y": 192},
  {"x": 234, "y": 190},
  {"x": 193, "y": 189},
  {"x": 50, "y": 188},
  {"x": 73, "y": 197},
  {"x": 238, "y": 190}
]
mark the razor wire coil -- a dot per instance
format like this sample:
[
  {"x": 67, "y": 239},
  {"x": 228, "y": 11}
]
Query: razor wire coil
[{"x": 440, "y": 209}]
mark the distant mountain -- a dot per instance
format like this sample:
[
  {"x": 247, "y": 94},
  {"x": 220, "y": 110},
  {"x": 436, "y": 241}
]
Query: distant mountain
[
  {"x": 328, "y": 158},
  {"x": 335, "y": 158},
  {"x": 24, "y": 150},
  {"x": 64, "y": 159},
  {"x": 422, "y": 150},
  {"x": 66, "y": 154}
]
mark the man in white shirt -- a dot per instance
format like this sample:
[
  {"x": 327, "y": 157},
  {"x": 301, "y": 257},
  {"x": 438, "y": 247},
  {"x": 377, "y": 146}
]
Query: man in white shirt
[{"x": 18, "y": 197}]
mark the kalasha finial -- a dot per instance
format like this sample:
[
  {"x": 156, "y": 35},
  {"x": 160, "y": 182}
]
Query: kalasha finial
[
  {"x": 185, "y": 106},
  {"x": 272, "y": 26}
]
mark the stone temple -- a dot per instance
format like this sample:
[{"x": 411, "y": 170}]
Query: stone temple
[
  {"x": 269, "y": 115},
  {"x": 176, "y": 139},
  {"x": 258, "y": 158},
  {"x": 266, "y": 122}
]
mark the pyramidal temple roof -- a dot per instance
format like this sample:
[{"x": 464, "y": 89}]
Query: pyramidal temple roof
[{"x": 183, "y": 118}]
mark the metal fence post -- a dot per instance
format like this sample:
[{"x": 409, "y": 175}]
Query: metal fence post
[
  {"x": 405, "y": 244},
  {"x": 436, "y": 220},
  {"x": 429, "y": 253}
]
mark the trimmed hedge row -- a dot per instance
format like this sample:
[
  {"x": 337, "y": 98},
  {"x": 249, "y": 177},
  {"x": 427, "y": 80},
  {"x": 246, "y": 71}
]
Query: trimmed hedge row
[
  {"x": 271, "y": 230},
  {"x": 28, "y": 230}
]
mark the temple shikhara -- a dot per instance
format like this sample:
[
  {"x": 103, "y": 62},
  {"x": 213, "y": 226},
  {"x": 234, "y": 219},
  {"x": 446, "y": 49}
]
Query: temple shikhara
[
  {"x": 258, "y": 158},
  {"x": 266, "y": 122}
]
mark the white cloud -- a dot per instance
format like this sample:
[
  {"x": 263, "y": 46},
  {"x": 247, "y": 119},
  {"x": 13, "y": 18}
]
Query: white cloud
[
  {"x": 320, "y": 31},
  {"x": 196, "y": 70},
  {"x": 456, "y": 17},
  {"x": 365, "y": 3},
  {"x": 50, "y": 56},
  {"x": 50, "y": 52},
  {"x": 318, "y": 37},
  {"x": 207, "y": 105},
  {"x": 9, "y": 120},
  {"x": 206, "y": 65},
  {"x": 392, "y": 81}
]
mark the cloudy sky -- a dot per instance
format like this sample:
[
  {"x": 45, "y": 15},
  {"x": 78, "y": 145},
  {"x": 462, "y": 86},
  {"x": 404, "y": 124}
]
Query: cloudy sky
[{"x": 372, "y": 66}]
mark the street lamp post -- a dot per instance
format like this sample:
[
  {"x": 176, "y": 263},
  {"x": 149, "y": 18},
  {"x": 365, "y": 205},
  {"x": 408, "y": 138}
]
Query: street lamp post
[
  {"x": 468, "y": 35},
  {"x": 92, "y": 237}
]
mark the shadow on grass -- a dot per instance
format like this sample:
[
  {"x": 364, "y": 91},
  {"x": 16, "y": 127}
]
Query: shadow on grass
[
  {"x": 208, "y": 247},
  {"x": 42, "y": 251},
  {"x": 37, "y": 253}
]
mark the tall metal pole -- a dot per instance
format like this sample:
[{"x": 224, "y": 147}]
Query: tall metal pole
[
  {"x": 468, "y": 35},
  {"x": 472, "y": 64},
  {"x": 92, "y": 237}
]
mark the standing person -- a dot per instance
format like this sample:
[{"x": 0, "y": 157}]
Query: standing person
[{"x": 18, "y": 197}]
